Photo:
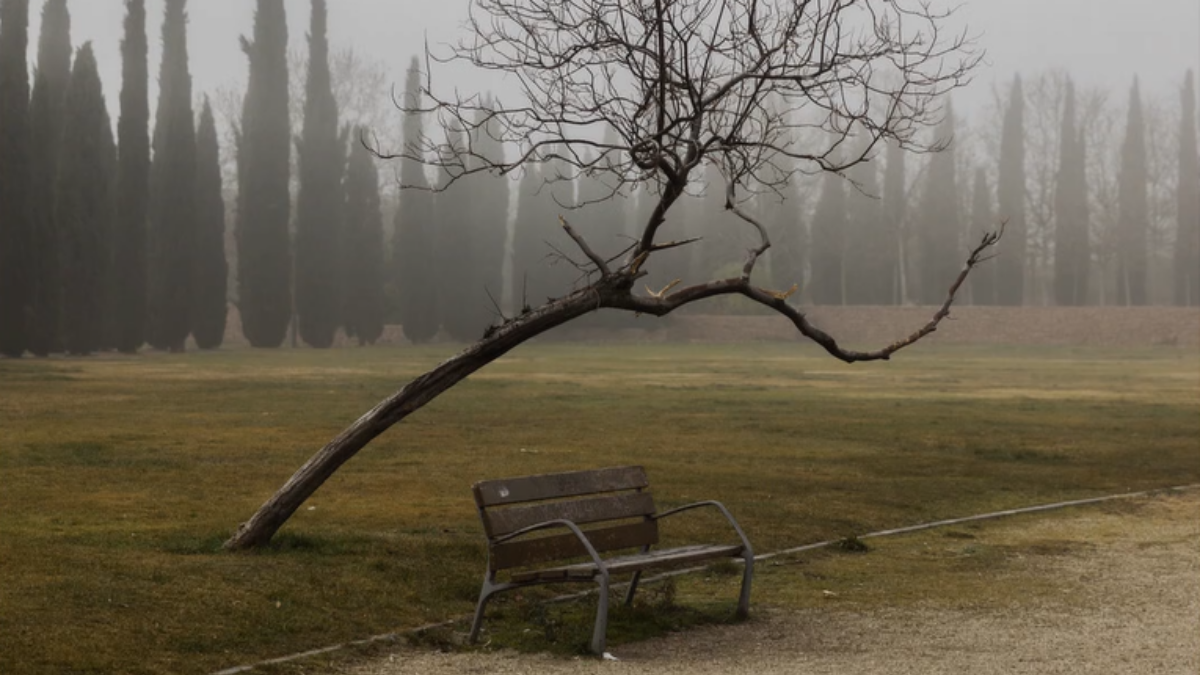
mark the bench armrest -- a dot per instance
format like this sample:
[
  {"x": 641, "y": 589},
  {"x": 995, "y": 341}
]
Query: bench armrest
[
  {"x": 714, "y": 504},
  {"x": 591, "y": 550}
]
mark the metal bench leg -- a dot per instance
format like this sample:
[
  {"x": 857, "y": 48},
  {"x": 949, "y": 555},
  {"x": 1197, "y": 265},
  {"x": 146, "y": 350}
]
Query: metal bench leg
[
  {"x": 743, "y": 609},
  {"x": 633, "y": 585},
  {"x": 484, "y": 595},
  {"x": 601, "y": 628}
]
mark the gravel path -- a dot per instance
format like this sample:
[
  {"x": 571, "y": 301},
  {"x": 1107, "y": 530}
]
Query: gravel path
[{"x": 1130, "y": 604}]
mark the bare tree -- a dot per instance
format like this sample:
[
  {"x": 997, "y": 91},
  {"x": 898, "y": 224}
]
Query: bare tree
[
  {"x": 1162, "y": 177},
  {"x": 1045, "y": 97},
  {"x": 1100, "y": 123},
  {"x": 684, "y": 84}
]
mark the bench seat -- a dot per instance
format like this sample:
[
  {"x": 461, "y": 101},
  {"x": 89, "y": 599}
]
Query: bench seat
[{"x": 664, "y": 558}]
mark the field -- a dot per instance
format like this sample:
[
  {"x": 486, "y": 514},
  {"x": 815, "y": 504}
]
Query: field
[{"x": 121, "y": 476}]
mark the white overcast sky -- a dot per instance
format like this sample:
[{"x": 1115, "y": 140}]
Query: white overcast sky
[{"x": 1100, "y": 41}]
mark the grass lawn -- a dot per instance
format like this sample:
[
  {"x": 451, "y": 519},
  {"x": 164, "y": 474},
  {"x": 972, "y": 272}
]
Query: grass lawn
[{"x": 120, "y": 477}]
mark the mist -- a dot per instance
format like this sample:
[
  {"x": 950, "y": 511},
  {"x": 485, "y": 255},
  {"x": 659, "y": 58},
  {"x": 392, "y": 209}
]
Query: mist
[
  {"x": 1101, "y": 42},
  {"x": 1068, "y": 132}
]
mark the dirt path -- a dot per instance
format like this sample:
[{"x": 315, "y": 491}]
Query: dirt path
[{"x": 1128, "y": 604}]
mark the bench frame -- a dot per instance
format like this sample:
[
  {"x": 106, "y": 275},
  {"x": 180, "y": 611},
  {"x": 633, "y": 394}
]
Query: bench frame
[{"x": 567, "y": 501}]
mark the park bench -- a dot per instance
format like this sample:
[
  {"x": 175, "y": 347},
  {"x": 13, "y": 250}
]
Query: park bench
[{"x": 602, "y": 511}]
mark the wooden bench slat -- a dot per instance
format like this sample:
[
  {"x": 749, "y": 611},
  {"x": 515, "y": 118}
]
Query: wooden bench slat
[
  {"x": 563, "y": 546},
  {"x": 630, "y": 563},
  {"x": 499, "y": 522},
  {"x": 558, "y": 485}
]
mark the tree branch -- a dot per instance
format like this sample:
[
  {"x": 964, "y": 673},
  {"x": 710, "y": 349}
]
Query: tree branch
[
  {"x": 596, "y": 259},
  {"x": 660, "y": 304}
]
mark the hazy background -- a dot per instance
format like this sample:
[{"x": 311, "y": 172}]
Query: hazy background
[{"x": 1101, "y": 42}]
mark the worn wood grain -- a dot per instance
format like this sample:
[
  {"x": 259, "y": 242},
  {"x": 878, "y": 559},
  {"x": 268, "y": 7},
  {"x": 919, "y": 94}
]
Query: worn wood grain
[
  {"x": 631, "y": 563},
  {"x": 559, "y": 485},
  {"x": 499, "y": 522},
  {"x": 564, "y": 546}
]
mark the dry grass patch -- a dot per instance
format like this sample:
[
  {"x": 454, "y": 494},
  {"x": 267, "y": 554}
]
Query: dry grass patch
[{"x": 122, "y": 476}]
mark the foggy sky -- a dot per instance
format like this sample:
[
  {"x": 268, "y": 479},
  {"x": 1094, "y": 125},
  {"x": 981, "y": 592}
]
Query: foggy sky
[{"x": 1101, "y": 42}]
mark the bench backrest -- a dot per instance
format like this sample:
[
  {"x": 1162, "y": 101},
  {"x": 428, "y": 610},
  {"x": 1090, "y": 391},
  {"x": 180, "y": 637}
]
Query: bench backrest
[{"x": 590, "y": 499}]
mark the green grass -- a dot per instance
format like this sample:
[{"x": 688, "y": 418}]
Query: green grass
[{"x": 120, "y": 477}]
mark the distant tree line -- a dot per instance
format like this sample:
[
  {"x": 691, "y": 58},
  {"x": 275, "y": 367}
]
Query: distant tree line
[
  {"x": 107, "y": 242},
  {"x": 118, "y": 242},
  {"x": 1101, "y": 206}
]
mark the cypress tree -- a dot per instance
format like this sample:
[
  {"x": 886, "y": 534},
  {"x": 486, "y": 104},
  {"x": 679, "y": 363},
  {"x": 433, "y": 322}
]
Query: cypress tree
[
  {"x": 1010, "y": 262},
  {"x": 263, "y": 205},
  {"x": 413, "y": 239},
  {"x": 454, "y": 249},
  {"x": 537, "y": 275},
  {"x": 1187, "y": 234},
  {"x": 599, "y": 217},
  {"x": 319, "y": 202},
  {"x": 173, "y": 189},
  {"x": 1071, "y": 251},
  {"x": 210, "y": 270},
  {"x": 707, "y": 219},
  {"x": 489, "y": 223},
  {"x": 983, "y": 278},
  {"x": 46, "y": 128},
  {"x": 863, "y": 264},
  {"x": 363, "y": 248},
  {"x": 473, "y": 248},
  {"x": 829, "y": 243},
  {"x": 781, "y": 216},
  {"x": 16, "y": 236},
  {"x": 130, "y": 233},
  {"x": 895, "y": 206},
  {"x": 530, "y": 287},
  {"x": 83, "y": 203},
  {"x": 938, "y": 237},
  {"x": 1134, "y": 223},
  {"x": 107, "y": 220}
]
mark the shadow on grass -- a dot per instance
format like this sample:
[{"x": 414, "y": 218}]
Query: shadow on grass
[{"x": 529, "y": 623}]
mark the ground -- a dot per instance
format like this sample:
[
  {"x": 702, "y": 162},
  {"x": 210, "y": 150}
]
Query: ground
[
  {"x": 121, "y": 476},
  {"x": 1124, "y": 598}
]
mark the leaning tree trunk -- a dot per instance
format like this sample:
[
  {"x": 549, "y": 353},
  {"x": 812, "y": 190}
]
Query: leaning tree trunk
[
  {"x": 612, "y": 289},
  {"x": 265, "y": 522}
]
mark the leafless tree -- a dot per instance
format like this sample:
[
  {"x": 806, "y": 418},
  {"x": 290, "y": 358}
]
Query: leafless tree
[
  {"x": 1102, "y": 118},
  {"x": 1162, "y": 173},
  {"x": 1045, "y": 101},
  {"x": 683, "y": 84}
]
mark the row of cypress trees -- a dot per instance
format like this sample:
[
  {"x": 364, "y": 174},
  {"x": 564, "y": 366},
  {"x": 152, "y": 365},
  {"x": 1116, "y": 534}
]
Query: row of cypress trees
[
  {"x": 104, "y": 247},
  {"x": 882, "y": 238},
  {"x": 113, "y": 244},
  {"x": 942, "y": 229},
  {"x": 1073, "y": 246},
  {"x": 328, "y": 273},
  {"x": 876, "y": 240}
]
